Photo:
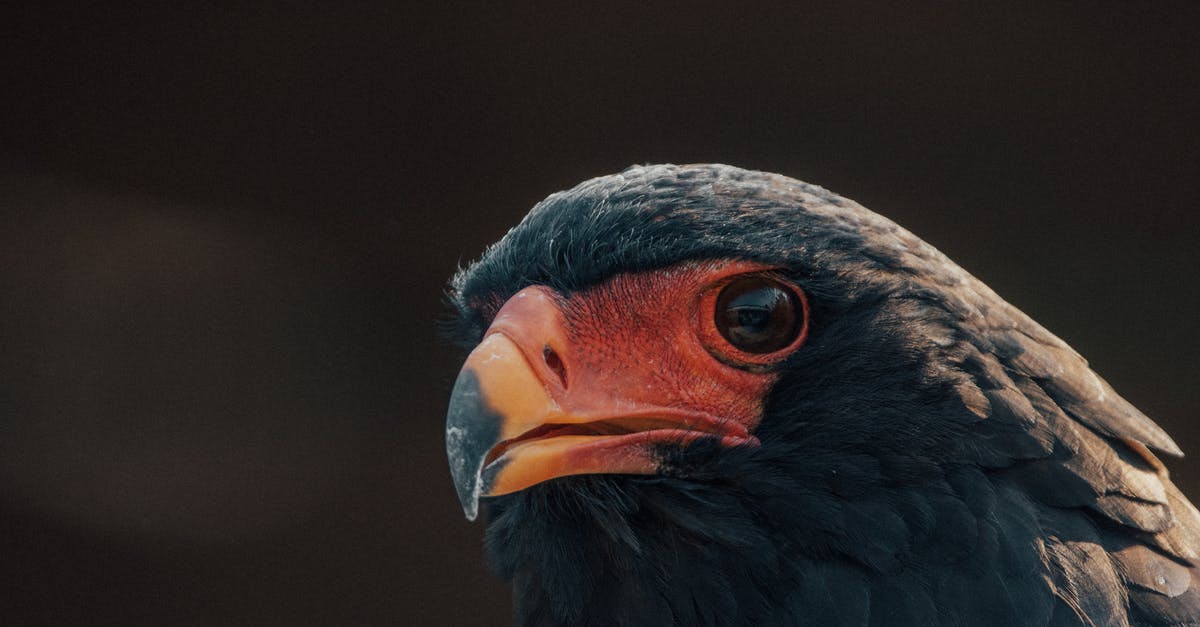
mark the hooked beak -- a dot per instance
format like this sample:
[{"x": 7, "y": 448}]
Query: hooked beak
[{"x": 514, "y": 422}]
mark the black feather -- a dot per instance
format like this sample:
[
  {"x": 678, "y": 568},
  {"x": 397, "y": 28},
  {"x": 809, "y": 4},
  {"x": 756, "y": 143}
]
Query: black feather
[{"x": 931, "y": 456}]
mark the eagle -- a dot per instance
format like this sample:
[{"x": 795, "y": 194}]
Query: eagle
[{"x": 703, "y": 395}]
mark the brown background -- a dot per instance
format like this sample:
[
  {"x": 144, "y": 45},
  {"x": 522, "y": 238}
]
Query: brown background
[{"x": 225, "y": 236}]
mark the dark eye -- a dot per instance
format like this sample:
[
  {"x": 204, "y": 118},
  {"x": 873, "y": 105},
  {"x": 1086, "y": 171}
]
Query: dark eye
[{"x": 758, "y": 315}]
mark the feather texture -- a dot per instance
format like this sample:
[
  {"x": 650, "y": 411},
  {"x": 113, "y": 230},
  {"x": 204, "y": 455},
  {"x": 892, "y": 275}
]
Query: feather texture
[{"x": 931, "y": 456}]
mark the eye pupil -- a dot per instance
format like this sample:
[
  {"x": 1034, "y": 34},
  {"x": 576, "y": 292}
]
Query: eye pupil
[
  {"x": 757, "y": 315},
  {"x": 751, "y": 317}
]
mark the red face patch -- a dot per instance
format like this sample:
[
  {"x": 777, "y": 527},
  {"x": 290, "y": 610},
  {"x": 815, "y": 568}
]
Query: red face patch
[{"x": 653, "y": 338}]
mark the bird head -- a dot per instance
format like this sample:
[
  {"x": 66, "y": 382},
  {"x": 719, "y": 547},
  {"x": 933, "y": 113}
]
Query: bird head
[{"x": 641, "y": 324}]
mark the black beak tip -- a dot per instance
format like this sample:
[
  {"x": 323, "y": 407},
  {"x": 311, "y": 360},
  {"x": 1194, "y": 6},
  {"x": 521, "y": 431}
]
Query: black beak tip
[{"x": 471, "y": 430}]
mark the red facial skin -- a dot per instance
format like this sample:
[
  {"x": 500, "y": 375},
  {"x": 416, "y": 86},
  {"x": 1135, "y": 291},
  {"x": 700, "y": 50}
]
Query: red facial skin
[{"x": 637, "y": 359}]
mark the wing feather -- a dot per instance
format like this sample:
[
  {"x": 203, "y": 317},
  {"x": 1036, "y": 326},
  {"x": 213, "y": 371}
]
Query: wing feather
[{"x": 1120, "y": 543}]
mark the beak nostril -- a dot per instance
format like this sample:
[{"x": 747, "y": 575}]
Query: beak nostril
[{"x": 554, "y": 362}]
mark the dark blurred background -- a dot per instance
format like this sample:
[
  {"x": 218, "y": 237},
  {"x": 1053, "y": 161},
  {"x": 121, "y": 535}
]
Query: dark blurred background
[{"x": 224, "y": 236}]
